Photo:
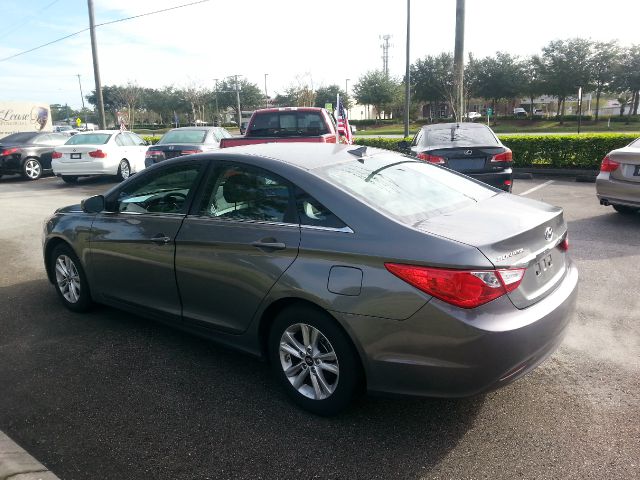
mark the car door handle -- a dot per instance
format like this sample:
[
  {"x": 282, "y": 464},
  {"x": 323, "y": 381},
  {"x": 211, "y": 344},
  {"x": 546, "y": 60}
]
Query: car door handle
[
  {"x": 269, "y": 245},
  {"x": 161, "y": 239}
]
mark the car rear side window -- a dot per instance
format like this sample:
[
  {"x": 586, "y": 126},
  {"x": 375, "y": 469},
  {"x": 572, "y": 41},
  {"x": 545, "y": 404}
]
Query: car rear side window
[
  {"x": 458, "y": 136},
  {"x": 242, "y": 193},
  {"x": 406, "y": 190},
  {"x": 312, "y": 213}
]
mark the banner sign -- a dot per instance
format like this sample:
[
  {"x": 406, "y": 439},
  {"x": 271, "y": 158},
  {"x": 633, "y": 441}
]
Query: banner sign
[{"x": 24, "y": 117}]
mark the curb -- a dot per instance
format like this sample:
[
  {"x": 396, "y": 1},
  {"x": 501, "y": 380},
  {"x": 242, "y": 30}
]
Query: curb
[
  {"x": 580, "y": 175},
  {"x": 16, "y": 464}
]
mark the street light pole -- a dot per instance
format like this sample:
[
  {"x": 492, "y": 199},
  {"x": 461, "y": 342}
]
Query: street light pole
[
  {"x": 81, "y": 95},
  {"x": 238, "y": 101},
  {"x": 407, "y": 75},
  {"x": 266, "y": 96},
  {"x": 458, "y": 60},
  {"x": 96, "y": 70},
  {"x": 346, "y": 94},
  {"x": 216, "y": 96}
]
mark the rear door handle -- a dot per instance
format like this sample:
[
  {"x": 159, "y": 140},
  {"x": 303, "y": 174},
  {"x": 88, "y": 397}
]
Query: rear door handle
[
  {"x": 269, "y": 245},
  {"x": 160, "y": 239}
]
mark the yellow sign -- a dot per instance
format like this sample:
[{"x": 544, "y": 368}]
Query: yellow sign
[{"x": 78, "y": 121}]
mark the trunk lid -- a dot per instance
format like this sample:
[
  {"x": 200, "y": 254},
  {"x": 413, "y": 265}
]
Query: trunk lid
[
  {"x": 629, "y": 160},
  {"x": 172, "y": 150},
  {"x": 76, "y": 153},
  {"x": 512, "y": 232},
  {"x": 470, "y": 159}
]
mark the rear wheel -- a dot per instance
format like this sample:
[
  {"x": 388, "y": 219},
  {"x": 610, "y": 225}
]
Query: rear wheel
[
  {"x": 124, "y": 170},
  {"x": 625, "y": 210},
  {"x": 69, "y": 279},
  {"x": 69, "y": 179},
  {"x": 314, "y": 360},
  {"x": 32, "y": 169}
]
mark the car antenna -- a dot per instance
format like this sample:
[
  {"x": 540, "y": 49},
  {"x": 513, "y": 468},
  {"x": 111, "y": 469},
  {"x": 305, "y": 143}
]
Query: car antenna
[{"x": 359, "y": 152}]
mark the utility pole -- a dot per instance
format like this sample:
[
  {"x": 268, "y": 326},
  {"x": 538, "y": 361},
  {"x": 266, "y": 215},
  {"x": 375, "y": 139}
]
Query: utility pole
[
  {"x": 266, "y": 96},
  {"x": 96, "y": 70},
  {"x": 458, "y": 60},
  {"x": 81, "y": 95},
  {"x": 407, "y": 75},
  {"x": 217, "y": 119},
  {"x": 238, "y": 100}
]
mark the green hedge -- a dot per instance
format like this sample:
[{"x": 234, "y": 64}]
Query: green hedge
[
  {"x": 151, "y": 139},
  {"x": 544, "y": 151}
]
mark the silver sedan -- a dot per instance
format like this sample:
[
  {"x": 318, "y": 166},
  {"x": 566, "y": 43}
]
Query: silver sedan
[{"x": 618, "y": 183}]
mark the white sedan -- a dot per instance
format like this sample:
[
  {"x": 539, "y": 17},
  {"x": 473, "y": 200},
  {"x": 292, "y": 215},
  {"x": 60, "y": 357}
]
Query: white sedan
[{"x": 101, "y": 152}]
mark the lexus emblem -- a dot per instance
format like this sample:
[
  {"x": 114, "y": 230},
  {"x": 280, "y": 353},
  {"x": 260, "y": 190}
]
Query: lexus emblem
[
  {"x": 468, "y": 152},
  {"x": 548, "y": 233}
]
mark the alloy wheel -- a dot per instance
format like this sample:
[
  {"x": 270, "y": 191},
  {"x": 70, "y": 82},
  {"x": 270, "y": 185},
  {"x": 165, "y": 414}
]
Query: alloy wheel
[
  {"x": 125, "y": 170},
  {"x": 32, "y": 169},
  {"x": 68, "y": 279},
  {"x": 309, "y": 361}
]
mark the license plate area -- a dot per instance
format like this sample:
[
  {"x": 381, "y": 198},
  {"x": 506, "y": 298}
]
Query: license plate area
[
  {"x": 543, "y": 265},
  {"x": 76, "y": 155},
  {"x": 466, "y": 164}
]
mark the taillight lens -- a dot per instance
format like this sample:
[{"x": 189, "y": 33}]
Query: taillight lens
[
  {"x": 462, "y": 288},
  {"x": 154, "y": 153},
  {"x": 608, "y": 165},
  {"x": 564, "y": 244},
  {"x": 189, "y": 152},
  {"x": 56, "y": 155},
  {"x": 506, "y": 156},
  {"x": 8, "y": 151},
  {"x": 430, "y": 158},
  {"x": 98, "y": 154}
]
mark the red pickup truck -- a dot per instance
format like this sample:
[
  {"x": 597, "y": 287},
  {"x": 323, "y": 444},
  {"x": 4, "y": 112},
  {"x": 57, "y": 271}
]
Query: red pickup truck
[{"x": 287, "y": 124}]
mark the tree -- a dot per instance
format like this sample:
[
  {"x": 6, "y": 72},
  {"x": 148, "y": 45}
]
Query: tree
[
  {"x": 565, "y": 65},
  {"x": 500, "y": 77},
  {"x": 532, "y": 83},
  {"x": 432, "y": 79},
  {"x": 606, "y": 55},
  {"x": 129, "y": 96},
  {"x": 628, "y": 76},
  {"x": 377, "y": 89},
  {"x": 251, "y": 97},
  {"x": 112, "y": 100},
  {"x": 328, "y": 94}
]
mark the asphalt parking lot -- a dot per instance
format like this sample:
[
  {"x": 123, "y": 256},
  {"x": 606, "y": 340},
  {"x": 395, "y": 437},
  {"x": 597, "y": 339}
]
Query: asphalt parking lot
[{"x": 112, "y": 395}]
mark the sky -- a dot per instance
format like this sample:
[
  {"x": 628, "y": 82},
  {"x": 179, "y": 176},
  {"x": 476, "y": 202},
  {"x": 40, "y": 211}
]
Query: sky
[{"x": 308, "y": 42}]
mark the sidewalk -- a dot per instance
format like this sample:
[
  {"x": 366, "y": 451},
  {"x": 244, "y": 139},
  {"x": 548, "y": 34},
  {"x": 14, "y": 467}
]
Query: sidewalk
[{"x": 16, "y": 464}]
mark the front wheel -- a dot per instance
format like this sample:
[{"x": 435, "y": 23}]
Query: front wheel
[
  {"x": 624, "y": 209},
  {"x": 32, "y": 169},
  {"x": 69, "y": 279},
  {"x": 314, "y": 360},
  {"x": 124, "y": 170}
]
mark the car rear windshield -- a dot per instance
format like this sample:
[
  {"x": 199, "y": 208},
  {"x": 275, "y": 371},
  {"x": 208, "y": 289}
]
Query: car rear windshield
[
  {"x": 183, "y": 136},
  {"x": 458, "y": 136},
  {"x": 287, "y": 124},
  {"x": 89, "y": 139},
  {"x": 404, "y": 189},
  {"x": 16, "y": 138}
]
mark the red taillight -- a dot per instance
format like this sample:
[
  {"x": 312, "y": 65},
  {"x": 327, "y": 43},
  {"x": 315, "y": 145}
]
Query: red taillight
[
  {"x": 8, "y": 151},
  {"x": 189, "y": 152},
  {"x": 564, "y": 244},
  {"x": 507, "y": 182},
  {"x": 608, "y": 165},
  {"x": 56, "y": 155},
  {"x": 506, "y": 156},
  {"x": 154, "y": 153},
  {"x": 98, "y": 154},
  {"x": 462, "y": 288},
  {"x": 430, "y": 158}
]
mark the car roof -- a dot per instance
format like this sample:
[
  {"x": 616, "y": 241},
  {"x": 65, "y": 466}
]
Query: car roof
[
  {"x": 306, "y": 156},
  {"x": 204, "y": 127},
  {"x": 447, "y": 126}
]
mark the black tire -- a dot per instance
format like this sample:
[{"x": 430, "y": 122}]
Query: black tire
[
  {"x": 69, "y": 279},
  {"x": 624, "y": 209},
  {"x": 124, "y": 170},
  {"x": 32, "y": 168},
  {"x": 331, "y": 339},
  {"x": 69, "y": 179}
]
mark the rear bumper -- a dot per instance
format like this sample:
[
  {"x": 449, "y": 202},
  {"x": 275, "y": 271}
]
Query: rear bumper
[
  {"x": 497, "y": 179},
  {"x": 444, "y": 351},
  {"x": 93, "y": 167},
  {"x": 617, "y": 192},
  {"x": 10, "y": 164}
]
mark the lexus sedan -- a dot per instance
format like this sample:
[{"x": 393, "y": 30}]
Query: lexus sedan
[
  {"x": 618, "y": 183},
  {"x": 185, "y": 141},
  {"x": 28, "y": 153},
  {"x": 347, "y": 268},
  {"x": 469, "y": 148},
  {"x": 99, "y": 152}
]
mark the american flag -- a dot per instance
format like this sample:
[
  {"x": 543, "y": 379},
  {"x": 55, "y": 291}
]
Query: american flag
[{"x": 344, "y": 129}]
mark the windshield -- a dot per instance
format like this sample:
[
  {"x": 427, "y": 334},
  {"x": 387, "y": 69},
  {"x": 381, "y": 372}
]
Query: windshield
[
  {"x": 89, "y": 139},
  {"x": 458, "y": 136},
  {"x": 287, "y": 124},
  {"x": 15, "y": 138},
  {"x": 183, "y": 136},
  {"x": 404, "y": 189}
]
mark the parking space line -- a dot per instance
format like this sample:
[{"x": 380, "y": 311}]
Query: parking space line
[{"x": 531, "y": 190}]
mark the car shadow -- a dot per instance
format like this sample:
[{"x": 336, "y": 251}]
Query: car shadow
[
  {"x": 610, "y": 227},
  {"x": 114, "y": 395}
]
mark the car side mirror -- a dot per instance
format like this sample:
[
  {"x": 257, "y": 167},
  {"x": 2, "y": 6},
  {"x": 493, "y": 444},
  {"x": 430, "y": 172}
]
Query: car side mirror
[
  {"x": 404, "y": 146},
  {"x": 93, "y": 204}
]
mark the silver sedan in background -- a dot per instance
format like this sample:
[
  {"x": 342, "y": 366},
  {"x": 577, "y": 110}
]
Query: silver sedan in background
[{"x": 618, "y": 183}]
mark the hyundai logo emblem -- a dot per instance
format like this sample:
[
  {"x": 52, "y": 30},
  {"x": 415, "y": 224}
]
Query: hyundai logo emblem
[
  {"x": 468, "y": 152},
  {"x": 548, "y": 233}
]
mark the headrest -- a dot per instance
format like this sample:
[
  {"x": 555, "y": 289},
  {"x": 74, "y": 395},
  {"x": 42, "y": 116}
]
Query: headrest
[{"x": 240, "y": 188}]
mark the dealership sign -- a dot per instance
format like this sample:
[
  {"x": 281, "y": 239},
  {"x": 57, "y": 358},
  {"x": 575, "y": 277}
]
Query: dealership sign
[{"x": 24, "y": 117}]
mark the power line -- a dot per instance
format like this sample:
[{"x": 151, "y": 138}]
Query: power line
[
  {"x": 100, "y": 25},
  {"x": 27, "y": 19}
]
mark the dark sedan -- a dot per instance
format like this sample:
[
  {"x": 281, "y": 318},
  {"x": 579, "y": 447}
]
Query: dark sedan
[
  {"x": 469, "y": 148},
  {"x": 185, "y": 141},
  {"x": 347, "y": 268},
  {"x": 28, "y": 153}
]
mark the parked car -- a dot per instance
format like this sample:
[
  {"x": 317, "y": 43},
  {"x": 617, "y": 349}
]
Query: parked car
[
  {"x": 520, "y": 112},
  {"x": 28, "y": 153},
  {"x": 185, "y": 141},
  {"x": 469, "y": 148},
  {"x": 100, "y": 152},
  {"x": 472, "y": 115},
  {"x": 618, "y": 183},
  {"x": 65, "y": 129},
  {"x": 284, "y": 251},
  {"x": 538, "y": 112}
]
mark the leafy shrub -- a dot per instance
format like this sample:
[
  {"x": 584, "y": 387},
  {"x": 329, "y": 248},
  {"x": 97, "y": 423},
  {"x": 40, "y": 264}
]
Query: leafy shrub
[
  {"x": 619, "y": 119},
  {"x": 151, "y": 139},
  {"x": 371, "y": 121},
  {"x": 543, "y": 151}
]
